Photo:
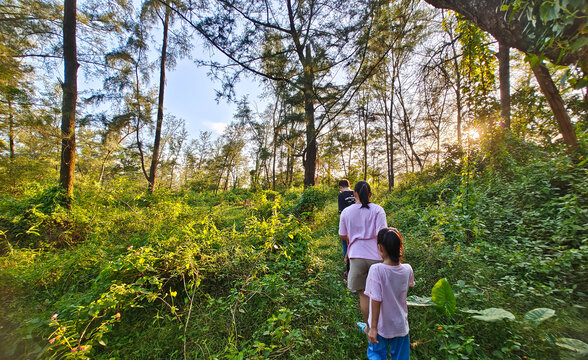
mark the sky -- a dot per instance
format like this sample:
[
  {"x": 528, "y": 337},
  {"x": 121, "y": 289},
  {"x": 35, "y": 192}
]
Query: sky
[{"x": 190, "y": 95}]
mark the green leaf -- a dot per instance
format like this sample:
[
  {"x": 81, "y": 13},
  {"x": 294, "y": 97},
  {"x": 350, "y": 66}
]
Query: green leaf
[
  {"x": 576, "y": 4},
  {"x": 493, "y": 315},
  {"x": 533, "y": 59},
  {"x": 414, "y": 300},
  {"x": 574, "y": 345},
  {"x": 470, "y": 311},
  {"x": 582, "y": 83},
  {"x": 550, "y": 339},
  {"x": 544, "y": 10},
  {"x": 443, "y": 297},
  {"x": 537, "y": 316},
  {"x": 555, "y": 10},
  {"x": 564, "y": 78},
  {"x": 549, "y": 11}
]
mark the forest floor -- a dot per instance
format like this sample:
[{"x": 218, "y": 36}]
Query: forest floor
[{"x": 259, "y": 275}]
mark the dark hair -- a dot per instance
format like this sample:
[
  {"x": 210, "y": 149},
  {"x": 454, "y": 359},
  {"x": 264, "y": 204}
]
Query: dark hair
[
  {"x": 363, "y": 191},
  {"x": 391, "y": 241},
  {"x": 344, "y": 183}
]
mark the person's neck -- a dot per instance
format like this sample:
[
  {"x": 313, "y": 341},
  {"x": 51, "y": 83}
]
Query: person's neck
[
  {"x": 389, "y": 261},
  {"x": 345, "y": 189}
]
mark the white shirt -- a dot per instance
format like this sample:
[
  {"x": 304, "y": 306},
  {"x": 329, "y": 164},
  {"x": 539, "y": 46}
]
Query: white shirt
[
  {"x": 389, "y": 284},
  {"x": 361, "y": 225}
]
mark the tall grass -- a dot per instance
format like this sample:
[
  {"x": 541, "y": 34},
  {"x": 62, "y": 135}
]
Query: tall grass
[{"x": 242, "y": 275}]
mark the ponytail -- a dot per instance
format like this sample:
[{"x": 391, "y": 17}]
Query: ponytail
[
  {"x": 363, "y": 191},
  {"x": 391, "y": 241}
]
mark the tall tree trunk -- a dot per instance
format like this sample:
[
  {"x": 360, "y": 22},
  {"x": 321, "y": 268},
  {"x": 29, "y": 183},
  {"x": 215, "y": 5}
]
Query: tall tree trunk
[
  {"x": 290, "y": 170},
  {"x": 220, "y": 179},
  {"x": 408, "y": 133},
  {"x": 274, "y": 165},
  {"x": 414, "y": 156},
  {"x": 459, "y": 114},
  {"x": 275, "y": 145},
  {"x": 390, "y": 123},
  {"x": 257, "y": 172},
  {"x": 157, "y": 141},
  {"x": 456, "y": 85},
  {"x": 557, "y": 105},
  {"x": 103, "y": 167},
  {"x": 438, "y": 145},
  {"x": 387, "y": 138},
  {"x": 228, "y": 176},
  {"x": 504, "y": 75},
  {"x": 438, "y": 127},
  {"x": 391, "y": 158},
  {"x": 309, "y": 159},
  {"x": 349, "y": 158},
  {"x": 266, "y": 168},
  {"x": 287, "y": 180},
  {"x": 406, "y": 159},
  {"x": 171, "y": 176},
  {"x": 343, "y": 159},
  {"x": 328, "y": 171},
  {"x": 365, "y": 142},
  {"x": 139, "y": 118},
  {"x": 70, "y": 95},
  {"x": 11, "y": 130}
]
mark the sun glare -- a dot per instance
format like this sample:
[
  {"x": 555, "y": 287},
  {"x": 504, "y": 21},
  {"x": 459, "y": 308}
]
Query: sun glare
[{"x": 473, "y": 134}]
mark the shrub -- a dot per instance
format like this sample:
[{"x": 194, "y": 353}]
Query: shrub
[{"x": 311, "y": 199}]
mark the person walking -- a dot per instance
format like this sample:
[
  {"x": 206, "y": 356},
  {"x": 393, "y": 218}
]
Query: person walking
[
  {"x": 358, "y": 227},
  {"x": 345, "y": 199},
  {"x": 387, "y": 286}
]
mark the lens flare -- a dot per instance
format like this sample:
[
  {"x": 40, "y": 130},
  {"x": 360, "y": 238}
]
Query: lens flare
[{"x": 472, "y": 134}]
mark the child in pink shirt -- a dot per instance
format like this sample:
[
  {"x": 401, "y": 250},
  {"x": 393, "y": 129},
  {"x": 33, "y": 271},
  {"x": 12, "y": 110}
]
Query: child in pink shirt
[
  {"x": 358, "y": 227},
  {"x": 386, "y": 286}
]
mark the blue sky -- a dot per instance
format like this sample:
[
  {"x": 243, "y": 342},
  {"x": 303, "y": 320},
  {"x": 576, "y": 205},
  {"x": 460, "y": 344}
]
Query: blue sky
[{"x": 190, "y": 95}]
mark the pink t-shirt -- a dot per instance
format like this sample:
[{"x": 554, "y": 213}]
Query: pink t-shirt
[
  {"x": 389, "y": 284},
  {"x": 362, "y": 226}
]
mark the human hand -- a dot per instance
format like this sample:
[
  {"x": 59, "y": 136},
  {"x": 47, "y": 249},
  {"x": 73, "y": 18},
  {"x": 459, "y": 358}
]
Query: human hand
[
  {"x": 346, "y": 259},
  {"x": 373, "y": 336}
]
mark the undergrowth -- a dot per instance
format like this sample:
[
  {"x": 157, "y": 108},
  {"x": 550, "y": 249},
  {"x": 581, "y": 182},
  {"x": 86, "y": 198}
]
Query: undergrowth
[
  {"x": 242, "y": 275},
  {"x": 508, "y": 231}
]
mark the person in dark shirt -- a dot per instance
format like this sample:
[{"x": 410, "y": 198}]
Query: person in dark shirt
[{"x": 345, "y": 199}]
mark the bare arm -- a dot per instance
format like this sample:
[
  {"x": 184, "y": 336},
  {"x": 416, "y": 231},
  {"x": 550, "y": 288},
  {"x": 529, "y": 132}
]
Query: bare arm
[
  {"x": 345, "y": 238},
  {"x": 373, "y": 333}
]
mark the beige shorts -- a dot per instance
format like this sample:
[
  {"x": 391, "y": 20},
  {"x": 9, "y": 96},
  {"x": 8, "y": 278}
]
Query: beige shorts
[{"x": 358, "y": 272}]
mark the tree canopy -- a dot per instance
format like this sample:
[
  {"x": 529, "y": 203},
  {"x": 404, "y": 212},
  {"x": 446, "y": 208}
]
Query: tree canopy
[{"x": 554, "y": 29}]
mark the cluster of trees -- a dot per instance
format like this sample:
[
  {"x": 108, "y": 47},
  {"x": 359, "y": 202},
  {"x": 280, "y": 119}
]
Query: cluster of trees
[{"x": 357, "y": 88}]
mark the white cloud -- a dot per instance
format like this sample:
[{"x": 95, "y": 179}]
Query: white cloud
[{"x": 217, "y": 127}]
